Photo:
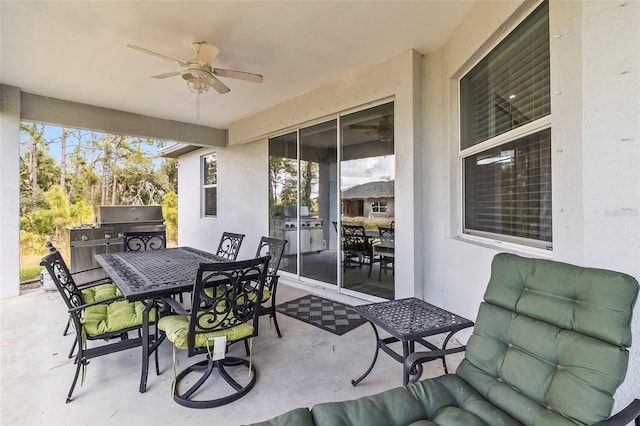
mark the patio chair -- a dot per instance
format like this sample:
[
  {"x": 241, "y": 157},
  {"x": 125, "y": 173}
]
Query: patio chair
[
  {"x": 147, "y": 240},
  {"x": 229, "y": 245},
  {"x": 218, "y": 318},
  {"x": 356, "y": 248},
  {"x": 274, "y": 248},
  {"x": 97, "y": 314},
  {"x": 386, "y": 262},
  {"x": 549, "y": 348},
  {"x": 95, "y": 290}
]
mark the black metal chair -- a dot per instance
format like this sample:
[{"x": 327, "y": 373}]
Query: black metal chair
[
  {"x": 386, "y": 262},
  {"x": 226, "y": 314},
  {"x": 147, "y": 240},
  {"x": 274, "y": 248},
  {"x": 106, "y": 319},
  {"x": 229, "y": 245},
  {"x": 356, "y": 247}
]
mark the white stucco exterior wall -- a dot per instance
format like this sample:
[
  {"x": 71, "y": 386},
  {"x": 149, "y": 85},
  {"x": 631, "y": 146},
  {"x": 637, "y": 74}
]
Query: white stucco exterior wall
[
  {"x": 9, "y": 191},
  {"x": 243, "y": 206},
  {"x": 595, "y": 63}
]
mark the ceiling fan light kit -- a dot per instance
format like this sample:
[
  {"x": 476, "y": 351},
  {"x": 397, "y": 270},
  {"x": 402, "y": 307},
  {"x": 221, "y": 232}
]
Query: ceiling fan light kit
[{"x": 198, "y": 72}]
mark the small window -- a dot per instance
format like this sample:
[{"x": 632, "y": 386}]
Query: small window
[
  {"x": 379, "y": 207},
  {"x": 210, "y": 185},
  {"x": 505, "y": 143}
]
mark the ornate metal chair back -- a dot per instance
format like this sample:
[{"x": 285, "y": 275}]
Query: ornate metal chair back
[
  {"x": 142, "y": 241},
  {"x": 274, "y": 248},
  {"x": 57, "y": 268},
  {"x": 235, "y": 299},
  {"x": 229, "y": 245}
]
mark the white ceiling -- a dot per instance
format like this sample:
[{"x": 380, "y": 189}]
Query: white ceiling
[{"x": 76, "y": 50}]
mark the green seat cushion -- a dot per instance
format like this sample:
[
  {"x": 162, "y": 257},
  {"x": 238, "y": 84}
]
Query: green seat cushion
[
  {"x": 444, "y": 401},
  {"x": 115, "y": 316},
  {"x": 100, "y": 292},
  {"x": 177, "y": 329},
  {"x": 296, "y": 417}
]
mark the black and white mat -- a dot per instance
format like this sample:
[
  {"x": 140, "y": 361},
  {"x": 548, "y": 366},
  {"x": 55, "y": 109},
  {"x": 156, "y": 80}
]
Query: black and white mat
[{"x": 326, "y": 314}]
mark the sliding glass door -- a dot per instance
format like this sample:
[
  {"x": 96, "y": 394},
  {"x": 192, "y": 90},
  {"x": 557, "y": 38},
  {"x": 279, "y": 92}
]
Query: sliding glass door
[{"x": 322, "y": 180}]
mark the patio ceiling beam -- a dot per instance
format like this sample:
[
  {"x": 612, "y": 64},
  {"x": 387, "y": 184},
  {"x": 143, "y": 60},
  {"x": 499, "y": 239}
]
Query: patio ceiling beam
[{"x": 59, "y": 112}]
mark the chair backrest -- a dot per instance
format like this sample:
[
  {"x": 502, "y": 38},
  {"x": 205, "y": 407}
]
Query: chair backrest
[
  {"x": 274, "y": 248},
  {"x": 233, "y": 299},
  {"x": 62, "y": 278},
  {"x": 147, "y": 240},
  {"x": 354, "y": 238},
  {"x": 386, "y": 233},
  {"x": 229, "y": 245},
  {"x": 549, "y": 343}
]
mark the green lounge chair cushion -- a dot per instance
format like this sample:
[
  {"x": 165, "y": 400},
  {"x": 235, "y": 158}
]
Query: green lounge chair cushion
[
  {"x": 111, "y": 317},
  {"x": 100, "y": 292},
  {"x": 177, "y": 329}
]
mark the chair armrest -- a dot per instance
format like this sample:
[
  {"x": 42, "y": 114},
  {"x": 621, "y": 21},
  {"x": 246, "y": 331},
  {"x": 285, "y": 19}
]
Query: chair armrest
[
  {"x": 414, "y": 362},
  {"x": 94, "y": 283},
  {"x": 97, "y": 302},
  {"x": 630, "y": 413}
]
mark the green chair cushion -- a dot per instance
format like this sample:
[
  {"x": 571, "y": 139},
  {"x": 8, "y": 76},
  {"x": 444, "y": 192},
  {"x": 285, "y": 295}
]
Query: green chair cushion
[
  {"x": 176, "y": 328},
  {"x": 100, "y": 292},
  {"x": 111, "y": 317}
]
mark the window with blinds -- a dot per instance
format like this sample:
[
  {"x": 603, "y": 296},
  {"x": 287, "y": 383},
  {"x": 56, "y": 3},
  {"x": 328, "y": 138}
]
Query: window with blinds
[
  {"x": 507, "y": 186},
  {"x": 511, "y": 85}
]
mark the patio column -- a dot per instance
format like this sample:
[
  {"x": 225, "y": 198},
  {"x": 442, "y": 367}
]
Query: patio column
[{"x": 9, "y": 191}]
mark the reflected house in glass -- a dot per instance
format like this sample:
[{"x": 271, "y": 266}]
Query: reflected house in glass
[{"x": 371, "y": 200}]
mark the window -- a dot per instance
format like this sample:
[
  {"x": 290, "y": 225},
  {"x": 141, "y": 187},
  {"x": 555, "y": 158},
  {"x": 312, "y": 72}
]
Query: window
[
  {"x": 379, "y": 207},
  {"x": 505, "y": 145},
  {"x": 210, "y": 185}
]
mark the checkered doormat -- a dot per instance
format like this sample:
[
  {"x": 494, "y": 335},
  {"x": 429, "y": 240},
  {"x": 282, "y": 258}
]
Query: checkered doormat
[{"x": 326, "y": 314}]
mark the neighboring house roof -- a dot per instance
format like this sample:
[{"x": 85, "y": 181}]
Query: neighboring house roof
[{"x": 381, "y": 189}]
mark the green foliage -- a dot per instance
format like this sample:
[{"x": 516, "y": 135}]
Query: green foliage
[
  {"x": 100, "y": 169},
  {"x": 170, "y": 213}
]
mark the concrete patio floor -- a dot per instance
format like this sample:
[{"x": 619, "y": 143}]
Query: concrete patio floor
[{"x": 305, "y": 367}]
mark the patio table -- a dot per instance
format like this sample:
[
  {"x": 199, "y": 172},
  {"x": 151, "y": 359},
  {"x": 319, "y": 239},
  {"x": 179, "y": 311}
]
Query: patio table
[
  {"x": 151, "y": 275},
  {"x": 410, "y": 321}
]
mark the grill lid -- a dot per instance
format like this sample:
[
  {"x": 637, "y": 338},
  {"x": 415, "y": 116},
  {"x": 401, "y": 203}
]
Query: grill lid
[{"x": 129, "y": 214}]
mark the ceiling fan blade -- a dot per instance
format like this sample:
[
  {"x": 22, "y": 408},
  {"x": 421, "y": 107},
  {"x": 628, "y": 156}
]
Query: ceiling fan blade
[
  {"x": 240, "y": 75},
  {"x": 217, "y": 84},
  {"x": 169, "y": 74},
  {"x": 205, "y": 52},
  {"x": 159, "y": 55}
]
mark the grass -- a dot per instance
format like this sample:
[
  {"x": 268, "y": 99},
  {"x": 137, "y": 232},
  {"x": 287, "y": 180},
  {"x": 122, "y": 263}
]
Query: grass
[{"x": 30, "y": 267}]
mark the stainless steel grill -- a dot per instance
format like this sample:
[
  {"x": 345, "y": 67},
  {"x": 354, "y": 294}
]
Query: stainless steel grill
[
  {"x": 107, "y": 235},
  {"x": 286, "y": 227}
]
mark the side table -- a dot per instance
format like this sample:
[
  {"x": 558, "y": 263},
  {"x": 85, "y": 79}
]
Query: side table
[{"x": 410, "y": 321}]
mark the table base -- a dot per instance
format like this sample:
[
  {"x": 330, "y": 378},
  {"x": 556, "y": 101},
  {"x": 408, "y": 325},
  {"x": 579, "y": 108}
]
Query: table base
[{"x": 408, "y": 347}]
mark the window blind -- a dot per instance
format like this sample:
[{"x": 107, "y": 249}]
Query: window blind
[
  {"x": 511, "y": 85},
  {"x": 508, "y": 189}
]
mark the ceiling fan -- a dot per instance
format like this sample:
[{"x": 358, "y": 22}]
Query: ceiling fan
[
  {"x": 384, "y": 129},
  {"x": 198, "y": 72}
]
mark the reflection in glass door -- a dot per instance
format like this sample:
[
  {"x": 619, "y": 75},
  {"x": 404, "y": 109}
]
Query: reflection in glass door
[
  {"x": 318, "y": 202},
  {"x": 367, "y": 180},
  {"x": 315, "y": 193}
]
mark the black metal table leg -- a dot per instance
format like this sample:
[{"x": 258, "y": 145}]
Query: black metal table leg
[
  {"x": 375, "y": 357},
  {"x": 145, "y": 346}
]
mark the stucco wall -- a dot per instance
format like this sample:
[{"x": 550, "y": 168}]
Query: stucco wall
[
  {"x": 9, "y": 191},
  {"x": 242, "y": 198},
  {"x": 596, "y": 161}
]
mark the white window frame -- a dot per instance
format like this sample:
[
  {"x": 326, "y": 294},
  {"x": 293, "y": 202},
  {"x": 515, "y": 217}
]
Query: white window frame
[
  {"x": 379, "y": 206},
  {"x": 205, "y": 186},
  {"x": 541, "y": 124}
]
